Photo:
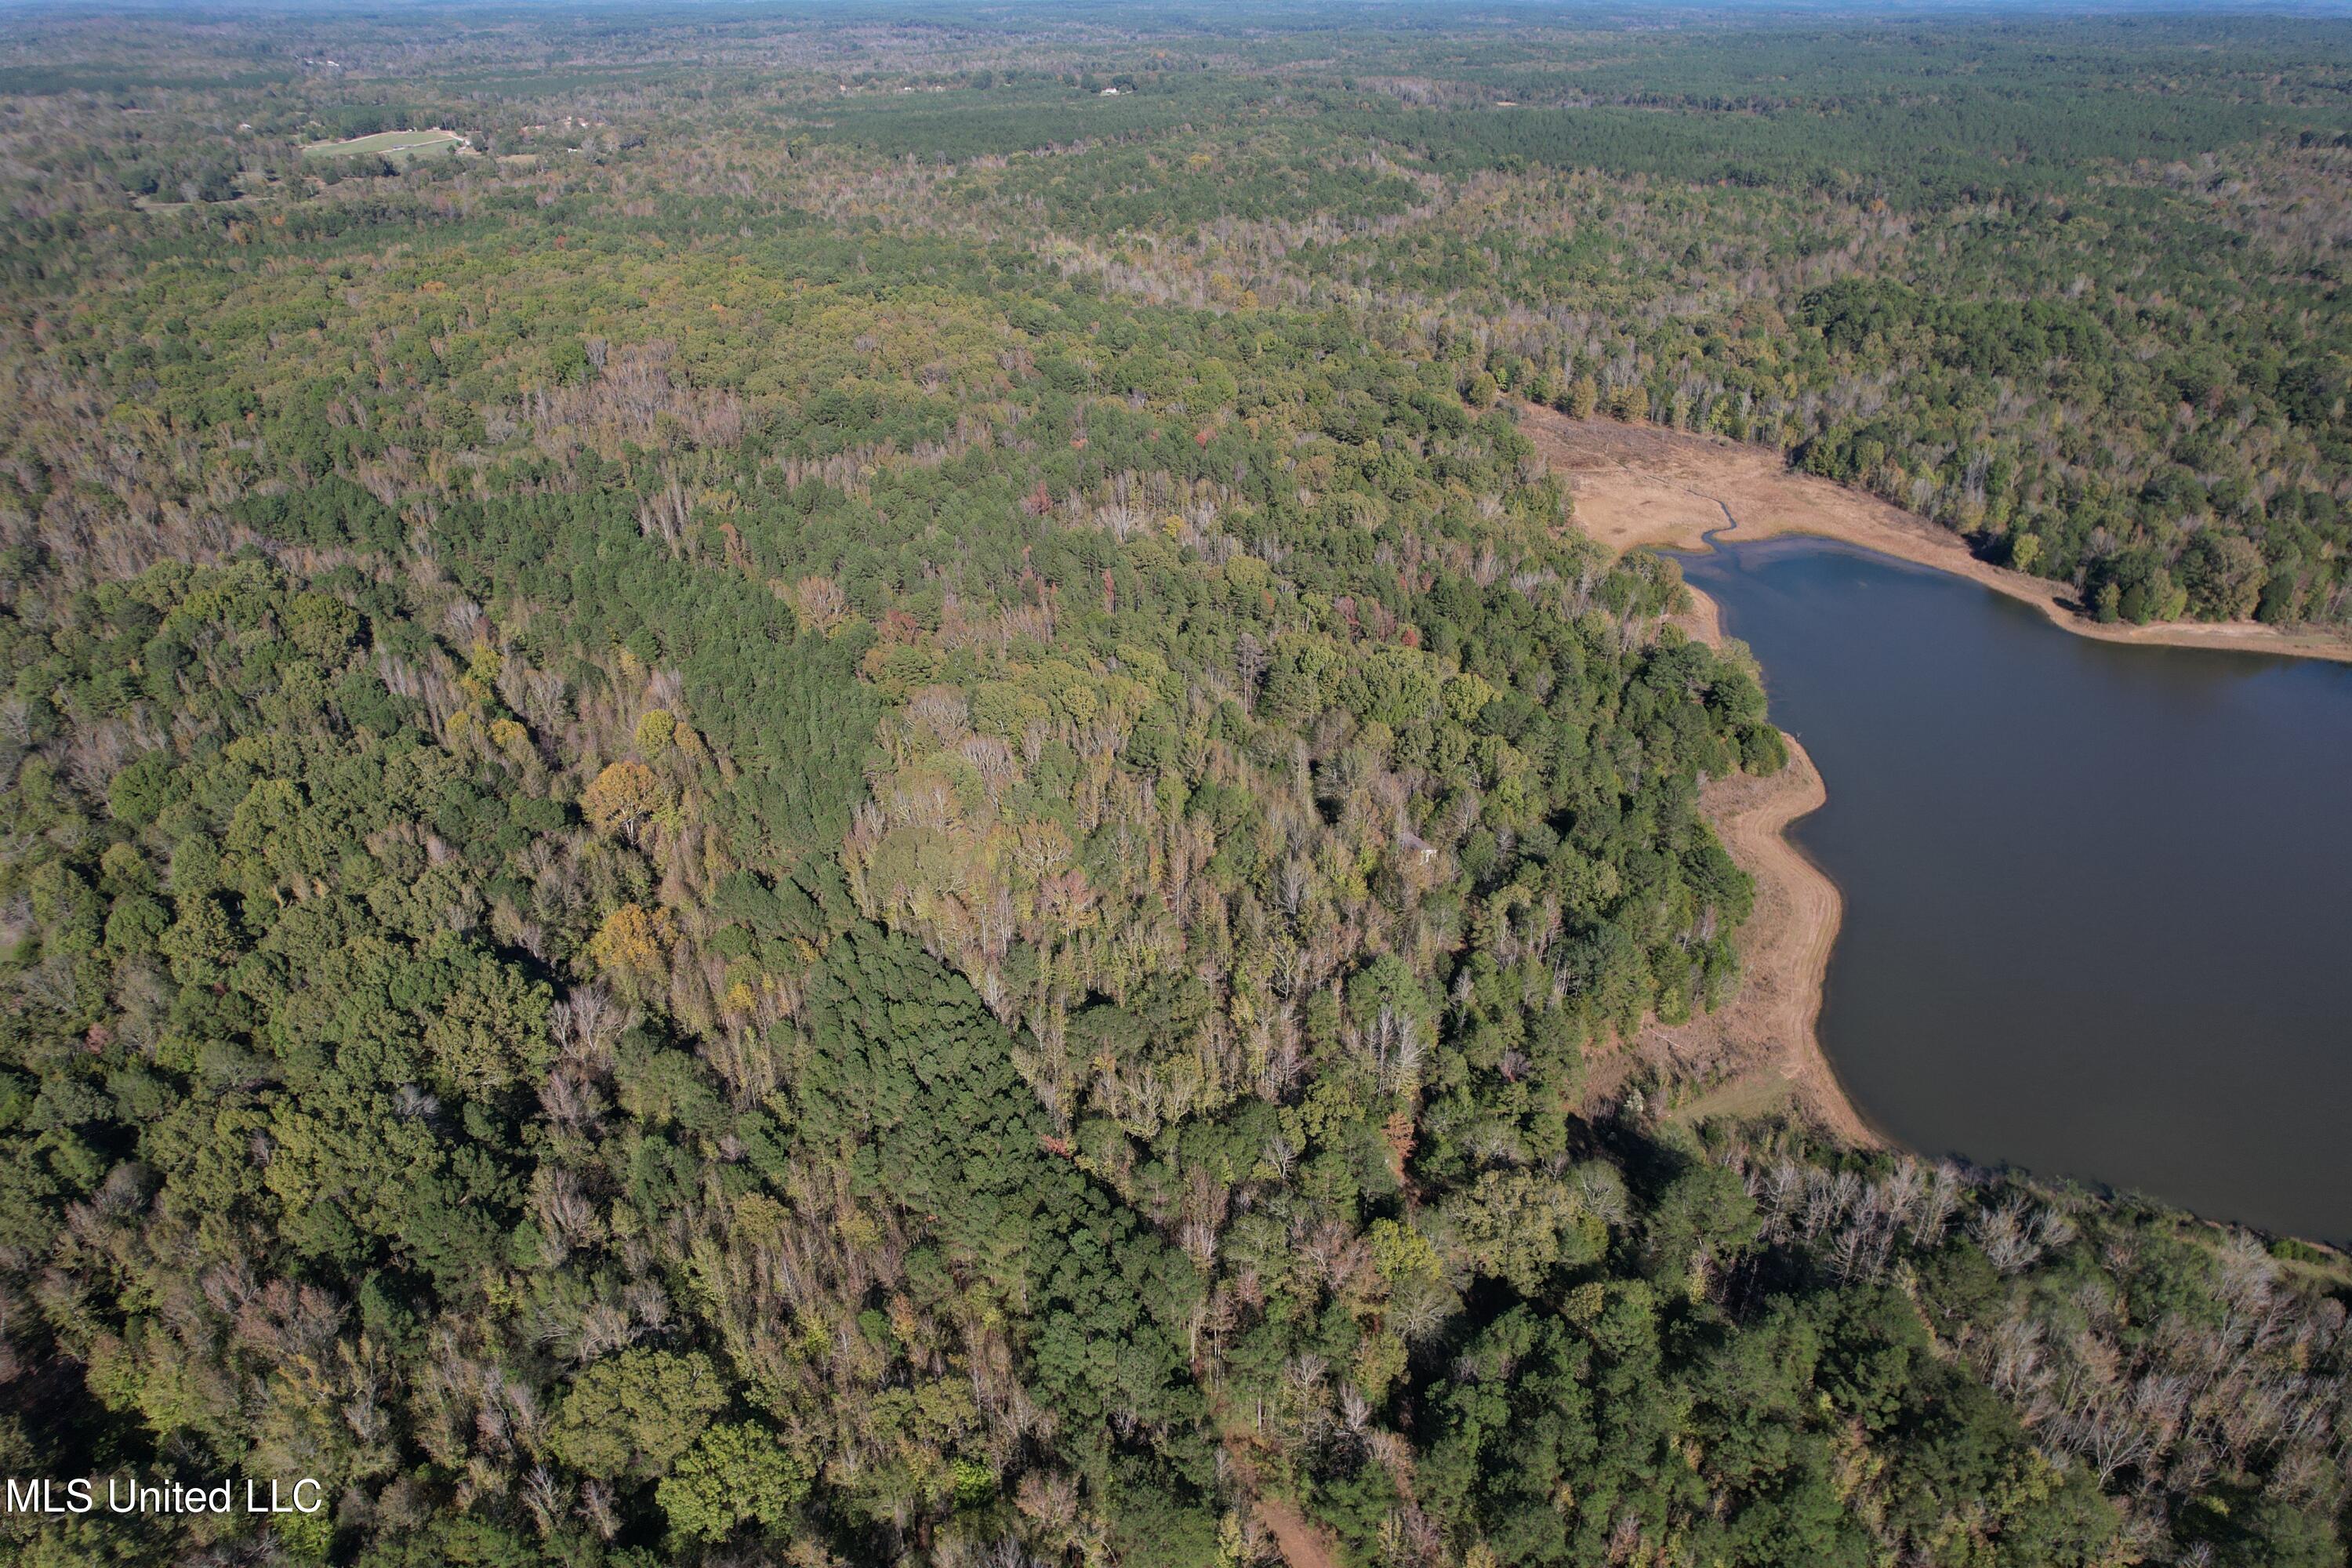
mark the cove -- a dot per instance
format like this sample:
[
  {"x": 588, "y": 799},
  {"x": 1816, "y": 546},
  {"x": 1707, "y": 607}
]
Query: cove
[{"x": 2098, "y": 898}]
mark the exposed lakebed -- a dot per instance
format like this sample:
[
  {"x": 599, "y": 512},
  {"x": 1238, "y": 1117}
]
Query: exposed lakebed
[{"x": 2098, "y": 898}]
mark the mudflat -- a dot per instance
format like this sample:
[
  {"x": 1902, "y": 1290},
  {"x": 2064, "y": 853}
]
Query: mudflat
[
  {"x": 1767, "y": 1036},
  {"x": 1637, "y": 485}
]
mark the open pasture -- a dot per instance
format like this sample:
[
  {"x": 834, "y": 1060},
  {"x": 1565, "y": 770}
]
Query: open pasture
[{"x": 397, "y": 144}]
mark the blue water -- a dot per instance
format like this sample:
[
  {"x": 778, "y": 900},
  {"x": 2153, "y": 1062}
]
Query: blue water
[{"x": 2098, "y": 898}]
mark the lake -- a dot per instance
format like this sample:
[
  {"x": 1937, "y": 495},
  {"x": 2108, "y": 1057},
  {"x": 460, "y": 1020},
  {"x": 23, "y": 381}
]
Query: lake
[{"x": 2098, "y": 898}]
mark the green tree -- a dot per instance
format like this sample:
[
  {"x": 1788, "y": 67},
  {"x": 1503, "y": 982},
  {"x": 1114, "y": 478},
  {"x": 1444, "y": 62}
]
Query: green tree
[
  {"x": 635, "y": 1414},
  {"x": 734, "y": 1475}
]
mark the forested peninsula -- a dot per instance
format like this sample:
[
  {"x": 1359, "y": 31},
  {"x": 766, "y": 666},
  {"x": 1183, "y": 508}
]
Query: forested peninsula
[{"x": 832, "y": 787}]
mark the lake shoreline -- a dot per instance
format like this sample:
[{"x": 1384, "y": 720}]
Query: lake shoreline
[
  {"x": 1769, "y": 1034},
  {"x": 2021, "y": 985},
  {"x": 1639, "y": 486}
]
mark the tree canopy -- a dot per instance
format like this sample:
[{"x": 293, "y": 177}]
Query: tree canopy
[{"x": 848, "y": 798}]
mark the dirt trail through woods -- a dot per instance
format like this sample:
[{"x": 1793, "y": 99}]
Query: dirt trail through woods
[
  {"x": 1636, "y": 485},
  {"x": 1303, "y": 1546}
]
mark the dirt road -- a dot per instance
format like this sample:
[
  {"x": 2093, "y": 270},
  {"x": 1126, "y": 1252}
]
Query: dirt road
[{"x": 1303, "y": 1546}]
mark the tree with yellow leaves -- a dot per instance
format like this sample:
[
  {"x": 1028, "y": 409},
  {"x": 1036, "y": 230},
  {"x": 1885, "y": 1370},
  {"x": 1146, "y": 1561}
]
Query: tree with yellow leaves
[
  {"x": 632, "y": 947},
  {"x": 625, "y": 798}
]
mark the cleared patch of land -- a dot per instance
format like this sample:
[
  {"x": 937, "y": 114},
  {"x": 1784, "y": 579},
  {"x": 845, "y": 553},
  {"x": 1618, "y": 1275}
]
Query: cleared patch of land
[
  {"x": 392, "y": 144},
  {"x": 1637, "y": 485}
]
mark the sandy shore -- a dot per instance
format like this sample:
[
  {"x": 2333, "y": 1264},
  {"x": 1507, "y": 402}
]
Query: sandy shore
[
  {"x": 1637, "y": 485},
  {"x": 1762, "y": 1049},
  {"x": 1768, "y": 1037}
]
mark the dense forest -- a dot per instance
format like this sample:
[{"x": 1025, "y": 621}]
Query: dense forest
[{"x": 843, "y": 795}]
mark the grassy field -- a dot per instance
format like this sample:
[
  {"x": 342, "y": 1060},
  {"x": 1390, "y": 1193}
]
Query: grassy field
[{"x": 389, "y": 144}]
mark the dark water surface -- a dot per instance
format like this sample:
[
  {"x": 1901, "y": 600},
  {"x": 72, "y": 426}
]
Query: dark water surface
[{"x": 2098, "y": 898}]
